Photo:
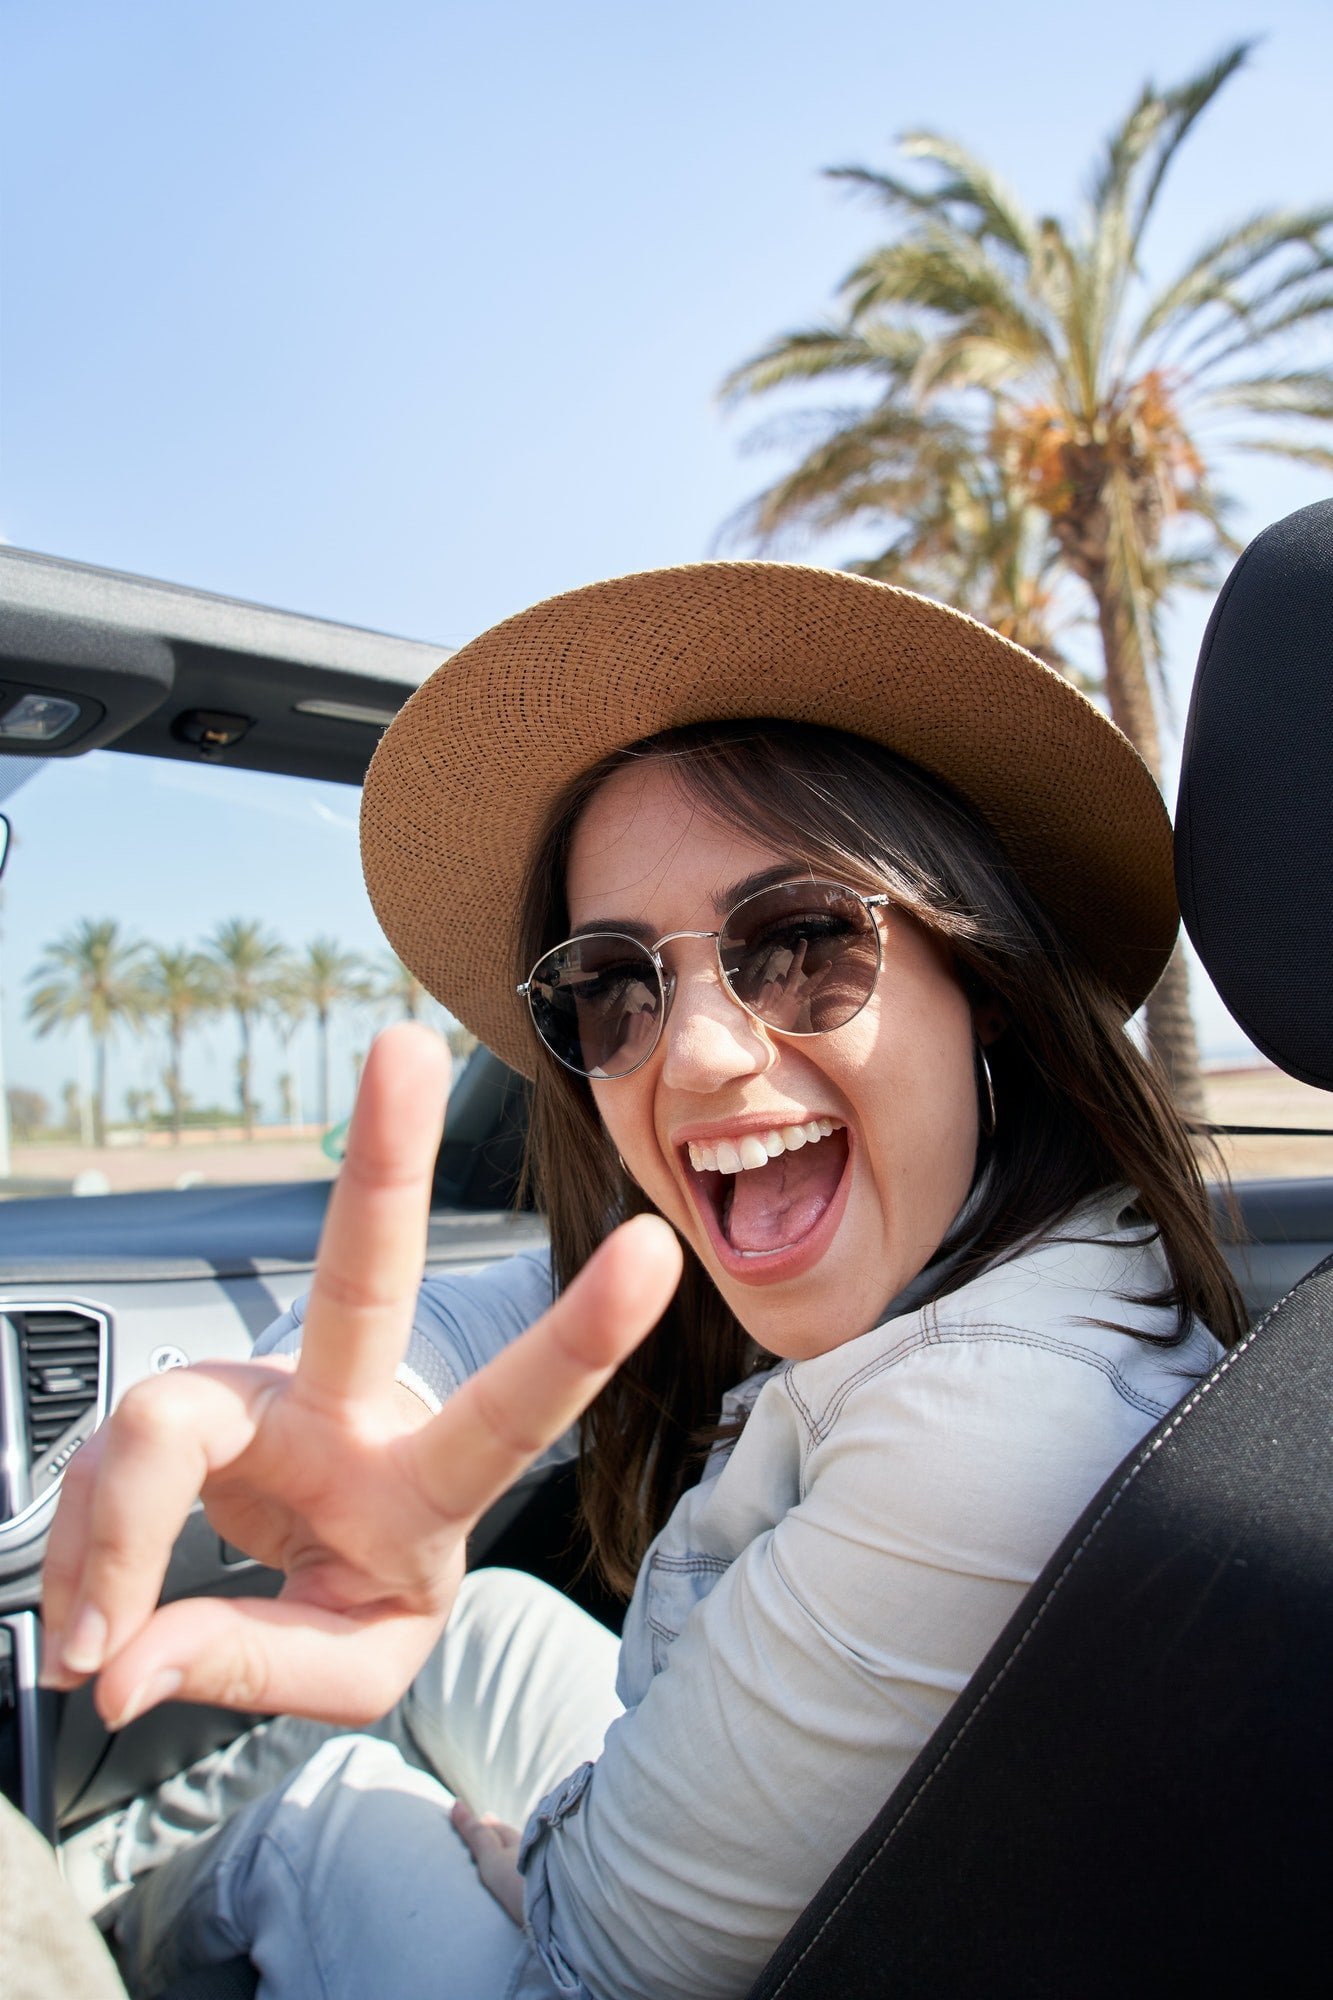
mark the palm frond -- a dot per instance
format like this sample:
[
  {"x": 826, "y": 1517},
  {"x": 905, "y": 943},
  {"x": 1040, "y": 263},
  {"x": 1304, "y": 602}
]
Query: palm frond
[
  {"x": 987, "y": 204},
  {"x": 945, "y": 273},
  {"x": 1272, "y": 316},
  {"x": 1320, "y": 456},
  {"x": 975, "y": 361},
  {"x": 887, "y": 189},
  {"x": 884, "y": 463},
  {"x": 1212, "y": 278},
  {"x": 1184, "y": 105},
  {"x": 1113, "y": 176},
  {"x": 811, "y": 352},
  {"x": 1295, "y": 393}
]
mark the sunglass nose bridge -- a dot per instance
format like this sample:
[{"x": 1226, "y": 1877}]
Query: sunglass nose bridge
[{"x": 673, "y": 936}]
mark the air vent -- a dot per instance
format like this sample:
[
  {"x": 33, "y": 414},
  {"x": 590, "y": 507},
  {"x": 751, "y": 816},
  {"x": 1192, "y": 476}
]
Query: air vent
[
  {"x": 54, "y": 1388},
  {"x": 62, "y": 1371}
]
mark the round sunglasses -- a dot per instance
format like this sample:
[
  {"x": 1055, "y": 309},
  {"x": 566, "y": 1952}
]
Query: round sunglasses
[{"x": 802, "y": 958}]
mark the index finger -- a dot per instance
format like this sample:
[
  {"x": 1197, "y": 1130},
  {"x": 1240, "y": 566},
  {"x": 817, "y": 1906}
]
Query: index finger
[
  {"x": 373, "y": 1245},
  {"x": 506, "y": 1415}
]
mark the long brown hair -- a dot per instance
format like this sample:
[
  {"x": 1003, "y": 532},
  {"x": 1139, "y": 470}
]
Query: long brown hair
[{"x": 1078, "y": 1106}]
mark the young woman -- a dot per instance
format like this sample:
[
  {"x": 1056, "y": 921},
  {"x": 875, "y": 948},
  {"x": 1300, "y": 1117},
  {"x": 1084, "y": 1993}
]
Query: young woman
[{"x": 815, "y": 913}]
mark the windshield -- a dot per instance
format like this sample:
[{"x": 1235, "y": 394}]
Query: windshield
[{"x": 191, "y": 975}]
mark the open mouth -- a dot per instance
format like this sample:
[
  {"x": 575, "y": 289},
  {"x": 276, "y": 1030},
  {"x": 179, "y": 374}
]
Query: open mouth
[{"x": 767, "y": 1192}]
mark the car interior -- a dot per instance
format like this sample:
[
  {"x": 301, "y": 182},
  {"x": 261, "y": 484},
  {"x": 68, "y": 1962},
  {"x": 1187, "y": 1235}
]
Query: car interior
[{"x": 1132, "y": 1791}]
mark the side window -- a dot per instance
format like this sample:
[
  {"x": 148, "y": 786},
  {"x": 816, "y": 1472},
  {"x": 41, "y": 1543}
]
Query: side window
[{"x": 190, "y": 975}]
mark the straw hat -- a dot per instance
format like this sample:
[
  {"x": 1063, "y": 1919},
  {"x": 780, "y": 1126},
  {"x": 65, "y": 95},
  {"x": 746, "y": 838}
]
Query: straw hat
[{"x": 465, "y": 776}]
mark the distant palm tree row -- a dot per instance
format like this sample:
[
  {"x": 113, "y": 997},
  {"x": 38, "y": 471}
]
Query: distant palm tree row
[{"x": 97, "y": 974}]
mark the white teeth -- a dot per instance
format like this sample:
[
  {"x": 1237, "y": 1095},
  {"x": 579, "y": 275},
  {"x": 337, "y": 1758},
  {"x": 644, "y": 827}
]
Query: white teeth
[{"x": 756, "y": 1149}]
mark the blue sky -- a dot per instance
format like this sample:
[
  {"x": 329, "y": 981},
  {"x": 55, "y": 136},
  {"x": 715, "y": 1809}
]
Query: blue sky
[{"x": 409, "y": 314}]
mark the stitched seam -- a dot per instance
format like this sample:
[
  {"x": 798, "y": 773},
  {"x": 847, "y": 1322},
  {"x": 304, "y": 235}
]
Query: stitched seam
[
  {"x": 688, "y": 1565},
  {"x": 1186, "y": 1410},
  {"x": 999, "y": 1332},
  {"x": 302, "y": 1887},
  {"x": 819, "y": 1426}
]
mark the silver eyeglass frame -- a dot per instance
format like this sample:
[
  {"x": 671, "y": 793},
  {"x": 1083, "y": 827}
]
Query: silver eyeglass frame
[{"x": 666, "y": 979}]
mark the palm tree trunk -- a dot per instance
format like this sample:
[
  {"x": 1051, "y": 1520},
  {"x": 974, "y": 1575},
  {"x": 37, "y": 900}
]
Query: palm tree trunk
[
  {"x": 243, "y": 1074},
  {"x": 174, "y": 1084},
  {"x": 99, "y": 1091},
  {"x": 324, "y": 1090},
  {"x": 1171, "y": 1036},
  {"x": 1127, "y": 689}
]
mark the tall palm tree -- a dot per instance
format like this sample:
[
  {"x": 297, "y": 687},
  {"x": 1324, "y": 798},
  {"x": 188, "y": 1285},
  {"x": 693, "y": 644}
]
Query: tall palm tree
[
  {"x": 249, "y": 963},
  {"x": 327, "y": 977},
  {"x": 1104, "y": 405},
  {"x": 92, "y": 973},
  {"x": 287, "y": 1009},
  {"x": 399, "y": 988},
  {"x": 182, "y": 986}
]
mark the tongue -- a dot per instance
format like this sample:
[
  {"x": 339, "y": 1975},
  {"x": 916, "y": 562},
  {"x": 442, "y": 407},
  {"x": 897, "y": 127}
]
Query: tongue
[{"x": 778, "y": 1204}]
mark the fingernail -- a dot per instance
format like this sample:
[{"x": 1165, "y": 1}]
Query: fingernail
[
  {"x": 51, "y": 1673},
  {"x": 84, "y": 1647},
  {"x": 158, "y": 1687}
]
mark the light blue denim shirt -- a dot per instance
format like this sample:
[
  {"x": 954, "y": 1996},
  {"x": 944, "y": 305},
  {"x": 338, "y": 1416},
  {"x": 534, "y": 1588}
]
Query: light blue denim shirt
[{"x": 817, "y": 1601}]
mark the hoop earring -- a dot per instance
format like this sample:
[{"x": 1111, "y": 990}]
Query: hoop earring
[{"x": 986, "y": 1124}]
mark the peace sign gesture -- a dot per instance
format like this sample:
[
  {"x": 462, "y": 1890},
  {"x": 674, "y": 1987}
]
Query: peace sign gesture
[{"x": 316, "y": 1466}]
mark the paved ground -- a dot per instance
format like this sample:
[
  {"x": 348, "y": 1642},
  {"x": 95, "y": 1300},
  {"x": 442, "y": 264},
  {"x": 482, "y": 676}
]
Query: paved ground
[
  {"x": 1266, "y": 1097},
  {"x": 200, "y": 1158}
]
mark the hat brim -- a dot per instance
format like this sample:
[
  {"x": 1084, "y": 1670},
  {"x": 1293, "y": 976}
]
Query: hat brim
[{"x": 465, "y": 777}]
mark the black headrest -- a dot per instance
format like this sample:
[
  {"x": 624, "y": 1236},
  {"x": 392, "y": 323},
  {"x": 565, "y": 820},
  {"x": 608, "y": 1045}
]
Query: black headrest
[{"x": 1254, "y": 821}]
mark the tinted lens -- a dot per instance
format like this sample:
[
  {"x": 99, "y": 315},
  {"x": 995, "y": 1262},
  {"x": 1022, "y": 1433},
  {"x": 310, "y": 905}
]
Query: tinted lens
[
  {"x": 597, "y": 1004},
  {"x": 804, "y": 957}
]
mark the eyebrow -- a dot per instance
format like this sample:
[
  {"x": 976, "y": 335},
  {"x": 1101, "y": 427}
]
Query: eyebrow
[{"x": 726, "y": 898}]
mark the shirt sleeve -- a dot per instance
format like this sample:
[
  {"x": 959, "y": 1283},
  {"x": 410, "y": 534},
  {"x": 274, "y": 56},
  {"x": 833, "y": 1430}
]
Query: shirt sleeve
[
  {"x": 802, "y": 1686},
  {"x": 461, "y": 1321}
]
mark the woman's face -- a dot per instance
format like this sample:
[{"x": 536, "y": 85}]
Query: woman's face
[{"x": 809, "y": 1248}]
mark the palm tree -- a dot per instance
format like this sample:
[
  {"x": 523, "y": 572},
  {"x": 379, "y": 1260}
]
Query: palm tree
[
  {"x": 1035, "y": 345},
  {"x": 138, "y": 1106},
  {"x": 93, "y": 973},
  {"x": 249, "y": 962},
  {"x": 287, "y": 1009},
  {"x": 182, "y": 986},
  {"x": 399, "y": 988},
  {"x": 326, "y": 978}
]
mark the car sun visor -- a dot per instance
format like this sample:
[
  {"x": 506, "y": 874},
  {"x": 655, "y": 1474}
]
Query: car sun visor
[{"x": 77, "y": 668}]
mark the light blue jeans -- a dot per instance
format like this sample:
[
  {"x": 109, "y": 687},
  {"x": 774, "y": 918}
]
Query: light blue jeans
[{"x": 337, "y": 1870}]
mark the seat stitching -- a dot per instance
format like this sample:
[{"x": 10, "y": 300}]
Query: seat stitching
[{"x": 1186, "y": 1410}]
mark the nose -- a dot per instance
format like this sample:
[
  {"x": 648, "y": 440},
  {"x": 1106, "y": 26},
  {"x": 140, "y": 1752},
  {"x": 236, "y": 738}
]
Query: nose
[{"x": 709, "y": 1038}]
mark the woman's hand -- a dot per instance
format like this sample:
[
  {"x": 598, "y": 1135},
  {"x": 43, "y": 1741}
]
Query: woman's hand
[
  {"x": 494, "y": 1847},
  {"x": 315, "y": 1466}
]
